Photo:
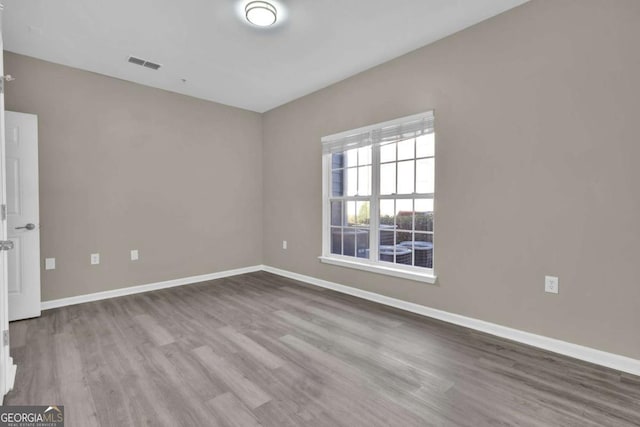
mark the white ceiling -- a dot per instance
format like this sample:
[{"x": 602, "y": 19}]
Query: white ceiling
[{"x": 207, "y": 42}]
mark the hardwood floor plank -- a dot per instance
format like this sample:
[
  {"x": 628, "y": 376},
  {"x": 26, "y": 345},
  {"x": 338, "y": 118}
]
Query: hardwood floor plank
[
  {"x": 19, "y": 334},
  {"x": 156, "y": 332},
  {"x": 340, "y": 369},
  {"x": 36, "y": 377},
  {"x": 185, "y": 406},
  {"x": 251, "y": 347},
  {"x": 250, "y": 393},
  {"x": 73, "y": 383},
  {"x": 231, "y": 412},
  {"x": 194, "y": 372}
]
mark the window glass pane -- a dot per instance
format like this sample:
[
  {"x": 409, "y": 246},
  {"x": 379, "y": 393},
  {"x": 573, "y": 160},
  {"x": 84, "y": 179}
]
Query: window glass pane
[
  {"x": 362, "y": 214},
  {"x": 336, "y": 213},
  {"x": 405, "y": 177},
  {"x": 388, "y": 153},
  {"x": 387, "y": 252},
  {"x": 352, "y": 181},
  {"x": 398, "y": 254},
  {"x": 405, "y": 258},
  {"x": 349, "y": 241},
  {"x": 364, "y": 156},
  {"x": 425, "y": 176},
  {"x": 404, "y": 214},
  {"x": 424, "y": 214},
  {"x": 337, "y": 161},
  {"x": 388, "y": 178},
  {"x": 362, "y": 243},
  {"x": 387, "y": 213},
  {"x": 423, "y": 249},
  {"x": 404, "y": 248},
  {"x": 337, "y": 182},
  {"x": 406, "y": 149},
  {"x": 387, "y": 222},
  {"x": 424, "y": 237},
  {"x": 351, "y": 158},
  {"x": 402, "y": 237},
  {"x": 425, "y": 145},
  {"x": 424, "y": 205},
  {"x": 404, "y": 255},
  {"x": 364, "y": 181},
  {"x": 336, "y": 240},
  {"x": 350, "y": 212},
  {"x": 386, "y": 237}
]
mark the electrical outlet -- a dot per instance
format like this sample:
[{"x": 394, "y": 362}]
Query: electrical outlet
[
  {"x": 284, "y": 244},
  {"x": 134, "y": 255},
  {"x": 551, "y": 284},
  {"x": 95, "y": 259},
  {"x": 49, "y": 263}
]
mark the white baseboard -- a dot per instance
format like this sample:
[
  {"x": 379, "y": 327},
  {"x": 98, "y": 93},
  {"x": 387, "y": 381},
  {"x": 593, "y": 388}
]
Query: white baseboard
[
  {"x": 587, "y": 354},
  {"x": 62, "y": 302}
]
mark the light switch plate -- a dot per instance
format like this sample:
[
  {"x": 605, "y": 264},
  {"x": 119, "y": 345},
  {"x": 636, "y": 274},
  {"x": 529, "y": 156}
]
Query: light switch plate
[
  {"x": 95, "y": 259},
  {"x": 49, "y": 263},
  {"x": 134, "y": 255}
]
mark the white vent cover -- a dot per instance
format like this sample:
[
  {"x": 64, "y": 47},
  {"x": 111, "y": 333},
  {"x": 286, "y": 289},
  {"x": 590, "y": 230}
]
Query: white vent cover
[{"x": 143, "y": 62}]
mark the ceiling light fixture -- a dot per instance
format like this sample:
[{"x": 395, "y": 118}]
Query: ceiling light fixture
[{"x": 261, "y": 13}]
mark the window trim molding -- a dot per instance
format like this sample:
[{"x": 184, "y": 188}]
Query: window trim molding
[{"x": 426, "y": 275}]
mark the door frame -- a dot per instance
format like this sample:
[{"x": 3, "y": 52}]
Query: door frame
[{"x": 7, "y": 367}]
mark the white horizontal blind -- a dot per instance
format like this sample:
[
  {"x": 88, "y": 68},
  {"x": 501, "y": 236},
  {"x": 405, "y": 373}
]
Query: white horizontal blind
[
  {"x": 347, "y": 142},
  {"x": 392, "y": 131}
]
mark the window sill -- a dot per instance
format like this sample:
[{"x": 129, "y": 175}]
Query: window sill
[{"x": 375, "y": 268}]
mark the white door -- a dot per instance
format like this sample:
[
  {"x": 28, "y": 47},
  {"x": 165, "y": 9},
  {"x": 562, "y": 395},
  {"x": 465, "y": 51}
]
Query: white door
[
  {"x": 7, "y": 368},
  {"x": 23, "y": 217}
]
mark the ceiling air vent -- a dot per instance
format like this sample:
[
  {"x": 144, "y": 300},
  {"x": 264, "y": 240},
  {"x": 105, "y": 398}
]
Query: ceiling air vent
[
  {"x": 143, "y": 62},
  {"x": 151, "y": 65}
]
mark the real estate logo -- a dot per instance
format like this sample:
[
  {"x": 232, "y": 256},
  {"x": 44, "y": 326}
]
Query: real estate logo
[{"x": 32, "y": 416}]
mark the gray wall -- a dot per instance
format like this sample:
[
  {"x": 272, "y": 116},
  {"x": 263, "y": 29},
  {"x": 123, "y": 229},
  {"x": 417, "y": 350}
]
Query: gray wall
[
  {"x": 537, "y": 169},
  {"x": 123, "y": 166}
]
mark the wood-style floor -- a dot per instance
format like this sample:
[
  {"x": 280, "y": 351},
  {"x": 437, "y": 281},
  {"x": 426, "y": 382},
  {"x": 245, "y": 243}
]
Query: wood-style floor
[{"x": 259, "y": 349}]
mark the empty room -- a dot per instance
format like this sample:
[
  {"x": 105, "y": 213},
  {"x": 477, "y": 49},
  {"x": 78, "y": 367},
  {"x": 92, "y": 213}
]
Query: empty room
[{"x": 319, "y": 213}]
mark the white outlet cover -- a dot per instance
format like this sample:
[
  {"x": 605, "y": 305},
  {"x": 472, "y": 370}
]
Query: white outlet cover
[
  {"x": 95, "y": 259},
  {"x": 49, "y": 263},
  {"x": 284, "y": 244},
  {"x": 551, "y": 284},
  {"x": 134, "y": 255}
]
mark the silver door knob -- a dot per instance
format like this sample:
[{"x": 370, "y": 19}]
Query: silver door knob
[{"x": 28, "y": 227}]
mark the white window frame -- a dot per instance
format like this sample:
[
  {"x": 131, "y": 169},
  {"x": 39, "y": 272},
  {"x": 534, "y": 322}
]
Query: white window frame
[{"x": 372, "y": 264}]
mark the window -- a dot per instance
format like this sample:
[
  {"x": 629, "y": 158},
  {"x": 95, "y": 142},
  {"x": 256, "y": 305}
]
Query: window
[{"x": 379, "y": 198}]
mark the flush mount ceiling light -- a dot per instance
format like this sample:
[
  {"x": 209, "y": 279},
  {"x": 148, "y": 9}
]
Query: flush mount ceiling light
[{"x": 261, "y": 13}]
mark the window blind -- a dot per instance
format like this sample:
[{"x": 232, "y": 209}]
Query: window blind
[{"x": 392, "y": 131}]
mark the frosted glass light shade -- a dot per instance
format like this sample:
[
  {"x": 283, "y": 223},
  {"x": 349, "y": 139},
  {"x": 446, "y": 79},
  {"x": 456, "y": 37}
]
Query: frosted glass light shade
[{"x": 261, "y": 13}]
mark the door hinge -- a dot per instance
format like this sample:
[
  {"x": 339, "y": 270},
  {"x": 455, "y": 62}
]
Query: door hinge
[
  {"x": 7, "y": 78},
  {"x": 3, "y": 212},
  {"x": 5, "y": 338}
]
